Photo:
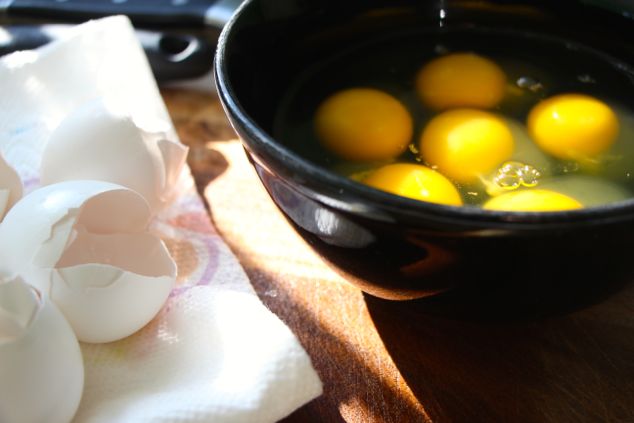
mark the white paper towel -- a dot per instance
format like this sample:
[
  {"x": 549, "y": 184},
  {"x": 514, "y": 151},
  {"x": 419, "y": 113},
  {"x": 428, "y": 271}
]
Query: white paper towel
[{"x": 214, "y": 353}]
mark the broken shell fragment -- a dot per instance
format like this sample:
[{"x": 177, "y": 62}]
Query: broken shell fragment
[
  {"x": 10, "y": 187},
  {"x": 86, "y": 245},
  {"x": 41, "y": 367}
]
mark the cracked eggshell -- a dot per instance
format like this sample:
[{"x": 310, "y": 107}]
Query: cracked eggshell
[
  {"x": 10, "y": 187},
  {"x": 41, "y": 367},
  {"x": 102, "y": 142},
  {"x": 85, "y": 244}
]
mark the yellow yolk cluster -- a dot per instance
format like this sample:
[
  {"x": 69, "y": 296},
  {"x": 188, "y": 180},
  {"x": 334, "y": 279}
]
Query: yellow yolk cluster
[{"x": 462, "y": 143}]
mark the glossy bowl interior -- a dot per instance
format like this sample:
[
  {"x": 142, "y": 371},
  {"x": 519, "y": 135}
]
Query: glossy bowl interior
[{"x": 393, "y": 247}]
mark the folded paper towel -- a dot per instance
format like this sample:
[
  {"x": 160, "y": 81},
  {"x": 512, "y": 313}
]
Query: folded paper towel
[{"x": 214, "y": 353}]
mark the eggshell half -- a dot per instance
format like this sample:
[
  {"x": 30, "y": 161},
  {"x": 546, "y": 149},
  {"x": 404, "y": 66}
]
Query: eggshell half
[
  {"x": 102, "y": 142},
  {"x": 10, "y": 187},
  {"x": 41, "y": 367},
  {"x": 86, "y": 245}
]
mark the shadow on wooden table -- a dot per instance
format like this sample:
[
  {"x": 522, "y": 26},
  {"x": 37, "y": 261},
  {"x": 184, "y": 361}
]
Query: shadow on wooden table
[
  {"x": 348, "y": 378},
  {"x": 475, "y": 364}
]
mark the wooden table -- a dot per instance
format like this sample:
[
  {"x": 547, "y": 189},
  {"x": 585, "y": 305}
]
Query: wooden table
[{"x": 385, "y": 361}]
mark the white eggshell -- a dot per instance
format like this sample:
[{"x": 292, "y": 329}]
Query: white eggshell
[
  {"x": 10, "y": 187},
  {"x": 41, "y": 367},
  {"x": 100, "y": 142},
  {"x": 86, "y": 245}
]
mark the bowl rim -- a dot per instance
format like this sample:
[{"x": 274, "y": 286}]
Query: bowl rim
[{"x": 261, "y": 142}]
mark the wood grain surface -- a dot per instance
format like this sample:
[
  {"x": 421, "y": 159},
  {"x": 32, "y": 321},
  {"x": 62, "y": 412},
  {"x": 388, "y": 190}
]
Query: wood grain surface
[{"x": 384, "y": 361}]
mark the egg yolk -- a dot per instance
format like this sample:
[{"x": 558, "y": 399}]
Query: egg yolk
[
  {"x": 573, "y": 126},
  {"x": 415, "y": 181},
  {"x": 364, "y": 124},
  {"x": 461, "y": 80},
  {"x": 465, "y": 144},
  {"x": 532, "y": 200}
]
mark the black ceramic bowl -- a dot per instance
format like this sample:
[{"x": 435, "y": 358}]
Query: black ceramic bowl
[{"x": 393, "y": 247}]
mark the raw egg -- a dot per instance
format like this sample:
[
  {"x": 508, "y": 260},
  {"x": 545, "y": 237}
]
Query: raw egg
[
  {"x": 573, "y": 126},
  {"x": 465, "y": 144},
  {"x": 363, "y": 124},
  {"x": 526, "y": 168},
  {"x": 461, "y": 80},
  {"x": 415, "y": 181},
  {"x": 532, "y": 200},
  {"x": 589, "y": 190},
  {"x": 526, "y": 151}
]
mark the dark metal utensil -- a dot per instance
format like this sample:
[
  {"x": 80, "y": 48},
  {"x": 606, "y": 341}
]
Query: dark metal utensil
[
  {"x": 175, "y": 13},
  {"x": 172, "y": 56},
  {"x": 184, "y": 50}
]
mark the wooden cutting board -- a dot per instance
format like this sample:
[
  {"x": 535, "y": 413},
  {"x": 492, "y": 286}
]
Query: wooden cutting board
[{"x": 384, "y": 361}]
